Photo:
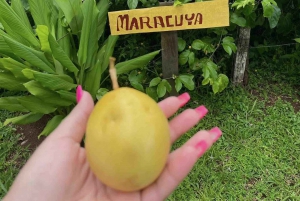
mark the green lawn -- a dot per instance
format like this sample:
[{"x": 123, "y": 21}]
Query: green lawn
[{"x": 258, "y": 157}]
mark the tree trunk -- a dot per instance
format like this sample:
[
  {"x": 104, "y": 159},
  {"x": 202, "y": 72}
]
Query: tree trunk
[{"x": 241, "y": 59}]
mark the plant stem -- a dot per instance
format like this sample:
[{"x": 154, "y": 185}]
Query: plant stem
[{"x": 113, "y": 73}]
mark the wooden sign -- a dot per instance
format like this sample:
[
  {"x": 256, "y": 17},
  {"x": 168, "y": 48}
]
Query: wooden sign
[{"x": 170, "y": 18}]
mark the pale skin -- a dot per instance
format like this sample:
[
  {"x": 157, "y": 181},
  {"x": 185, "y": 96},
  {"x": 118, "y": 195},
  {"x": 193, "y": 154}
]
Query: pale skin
[{"x": 58, "y": 169}]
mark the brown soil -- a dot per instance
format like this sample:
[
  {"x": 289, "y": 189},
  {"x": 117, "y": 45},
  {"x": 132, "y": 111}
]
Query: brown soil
[{"x": 30, "y": 133}]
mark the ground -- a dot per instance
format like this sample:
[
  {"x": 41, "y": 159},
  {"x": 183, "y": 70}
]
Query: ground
[{"x": 257, "y": 157}]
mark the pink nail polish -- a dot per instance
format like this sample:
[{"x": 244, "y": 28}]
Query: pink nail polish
[
  {"x": 202, "y": 111},
  {"x": 79, "y": 93},
  {"x": 184, "y": 98},
  {"x": 216, "y": 133},
  {"x": 202, "y": 147}
]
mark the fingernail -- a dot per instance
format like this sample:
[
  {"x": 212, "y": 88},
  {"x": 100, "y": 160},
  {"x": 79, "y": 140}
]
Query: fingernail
[
  {"x": 202, "y": 111},
  {"x": 184, "y": 98},
  {"x": 79, "y": 93},
  {"x": 216, "y": 133},
  {"x": 202, "y": 147}
]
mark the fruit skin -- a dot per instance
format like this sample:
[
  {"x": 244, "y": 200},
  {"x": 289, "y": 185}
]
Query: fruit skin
[{"x": 127, "y": 140}]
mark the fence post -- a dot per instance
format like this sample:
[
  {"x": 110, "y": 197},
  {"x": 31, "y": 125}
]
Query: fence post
[
  {"x": 169, "y": 45},
  {"x": 241, "y": 59}
]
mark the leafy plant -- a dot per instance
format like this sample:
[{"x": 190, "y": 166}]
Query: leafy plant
[{"x": 63, "y": 46}]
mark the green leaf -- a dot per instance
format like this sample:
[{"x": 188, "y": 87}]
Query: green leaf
[
  {"x": 24, "y": 119},
  {"x": 161, "y": 90},
  {"x": 101, "y": 92},
  {"x": 187, "y": 81},
  {"x": 228, "y": 45},
  {"x": 40, "y": 12},
  {"x": 215, "y": 87},
  {"x": 14, "y": 67},
  {"x": 48, "y": 96},
  {"x": 178, "y": 84},
  {"x": 11, "y": 21},
  {"x": 242, "y": 3},
  {"x": 197, "y": 44},
  {"x": 268, "y": 7},
  {"x": 274, "y": 19},
  {"x": 88, "y": 45},
  {"x": 152, "y": 92},
  {"x": 137, "y": 86},
  {"x": 209, "y": 68},
  {"x": 67, "y": 95},
  {"x": 9, "y": 82},
  {"x": 222, "y": 81},
  {"x": 51, "y": 125},
  {"x": 34, "y": 57},
  {"x": 184, "y": 57},
  {"x": 197, "y": 65},
  {"x": 132, "y": 4},
  {"x": 72, "y": 12},
  {"x": 191, "y": 59},
  {"x": 297, "y": 40},
  {"x": 36, "y": 105},
  {"x": 240, "y": 21},
  {"x": 167, "y": 85},
  {"x": 155, "y": 82},
  {"x": 12, "y": 104},
  {"x": 206, "y": 81},
  {"x": 135, "y": 63},
  {"x": 181, "y": 44},
  {"x": 17, "y": 6},
  {"x": 53, "y": 82}
]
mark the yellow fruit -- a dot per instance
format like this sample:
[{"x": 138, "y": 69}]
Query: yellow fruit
[{"x": 127, "y": 140}]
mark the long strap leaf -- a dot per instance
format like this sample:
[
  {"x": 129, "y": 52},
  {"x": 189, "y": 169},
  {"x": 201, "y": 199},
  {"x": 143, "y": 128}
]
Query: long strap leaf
[
  {"x": 16, "y": 24},
  {"x": 89, "y": 37},
  {"x": 24, "y": 119},
  {"x": 73, "y": 13},
  {"x": 14, "y": 67},
  {"x": 8, "y": 81},
  {"x": 51, "y": 125},
  {"x": 12, "y": 104},
  {"x": 40, "y": 12},
  {"x": 36, "y": 105},
  {"x": 17, "y": 6},
  {"x": 36, "y": 89},
  {"x": 102, "y": 6},
  {"x": 135, "y": 63},
  {"x": 53, "y": 82},
  {"x": 34, "y": 57}
]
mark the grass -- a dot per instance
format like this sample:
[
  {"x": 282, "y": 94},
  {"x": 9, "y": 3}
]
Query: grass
[
  {"x": 257, "y": 158},
  {"x": 12, "y": 154}
]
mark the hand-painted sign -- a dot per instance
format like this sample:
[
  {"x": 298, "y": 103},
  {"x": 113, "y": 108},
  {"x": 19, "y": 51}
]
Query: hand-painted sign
[{"x": 170, "y": 18}]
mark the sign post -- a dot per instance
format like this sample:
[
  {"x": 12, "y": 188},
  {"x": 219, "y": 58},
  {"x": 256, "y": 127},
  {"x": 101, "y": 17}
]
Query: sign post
[{"x": 168, "y": 20}]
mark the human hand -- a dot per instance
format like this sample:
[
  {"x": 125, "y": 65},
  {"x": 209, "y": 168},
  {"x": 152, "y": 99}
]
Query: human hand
[{"x": 58, "y": 169}]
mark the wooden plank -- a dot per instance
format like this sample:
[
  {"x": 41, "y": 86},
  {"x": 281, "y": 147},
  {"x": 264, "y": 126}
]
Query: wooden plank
[{"x": 196, "y": 15}]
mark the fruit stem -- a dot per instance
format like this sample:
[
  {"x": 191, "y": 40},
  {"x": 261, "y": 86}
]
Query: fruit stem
[{"x": 113, "y": 73}]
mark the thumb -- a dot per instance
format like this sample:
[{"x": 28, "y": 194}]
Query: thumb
[{"x": 74, "y": 125}]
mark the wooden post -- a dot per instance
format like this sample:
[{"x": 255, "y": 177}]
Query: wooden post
[
  {"x": 169, "y": 45},
  {"x": 241, "y": 59}
]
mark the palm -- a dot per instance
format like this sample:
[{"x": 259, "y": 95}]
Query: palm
[{"x": 58, "y": 170}]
